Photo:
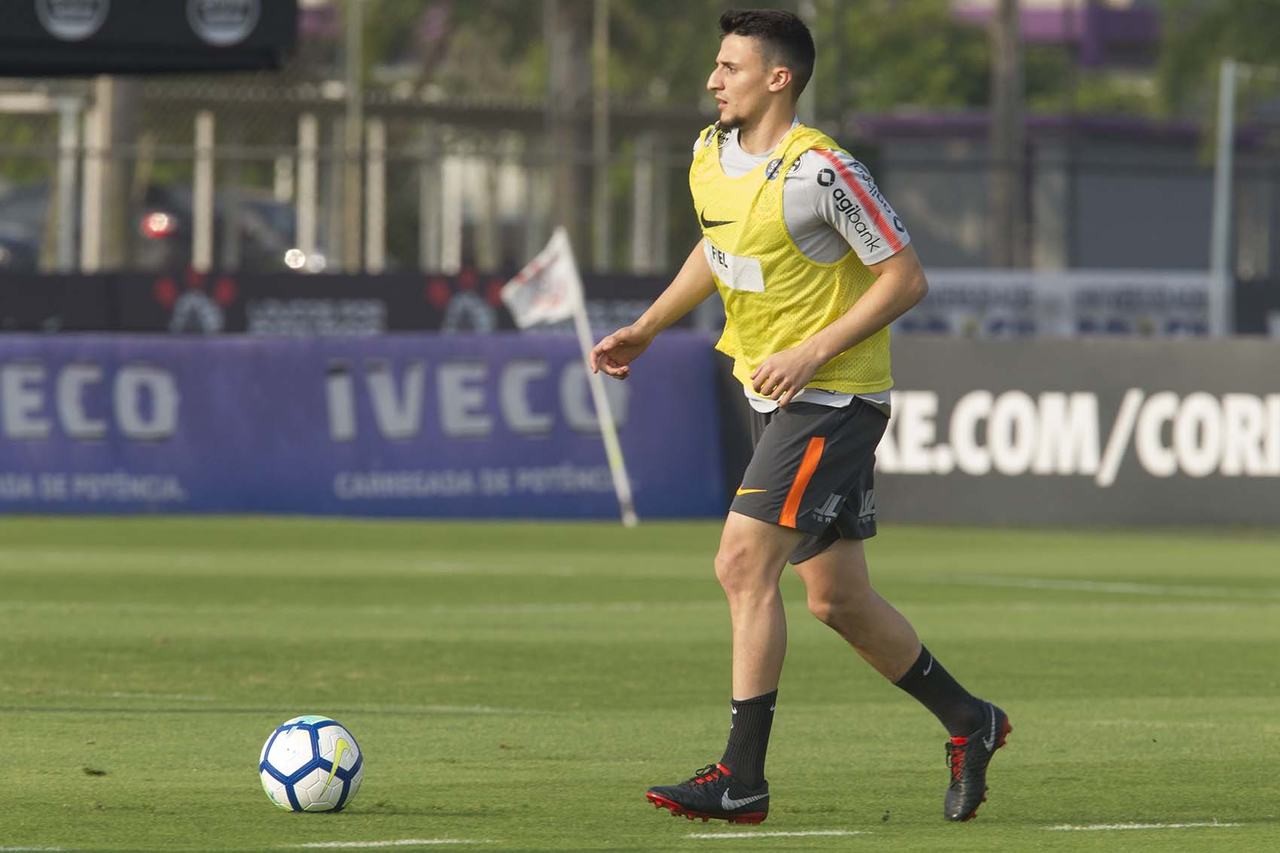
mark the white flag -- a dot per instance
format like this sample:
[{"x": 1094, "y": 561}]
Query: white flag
[{"x": 546, "y": 290}]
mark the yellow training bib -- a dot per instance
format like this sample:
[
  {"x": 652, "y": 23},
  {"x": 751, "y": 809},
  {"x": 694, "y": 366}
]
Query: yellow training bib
[{"x": 774, "y": 296}]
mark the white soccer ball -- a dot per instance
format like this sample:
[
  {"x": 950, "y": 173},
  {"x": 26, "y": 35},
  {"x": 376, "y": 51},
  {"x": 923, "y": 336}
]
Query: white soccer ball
[{"x": 311, "y": 764}]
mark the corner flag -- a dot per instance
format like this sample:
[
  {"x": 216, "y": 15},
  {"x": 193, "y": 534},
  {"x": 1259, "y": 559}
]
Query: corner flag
[
  {"x": 543, "y": 292},
  {"x": 548, "y": 290}
]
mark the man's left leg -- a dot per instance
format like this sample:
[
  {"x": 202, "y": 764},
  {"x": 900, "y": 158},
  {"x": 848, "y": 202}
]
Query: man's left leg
[{"x": 840, "y": 595}]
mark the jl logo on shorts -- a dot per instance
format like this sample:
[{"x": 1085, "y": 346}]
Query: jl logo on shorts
[
  {"x": 868, "y": 509},
  {"x": 828, "y": 511}
]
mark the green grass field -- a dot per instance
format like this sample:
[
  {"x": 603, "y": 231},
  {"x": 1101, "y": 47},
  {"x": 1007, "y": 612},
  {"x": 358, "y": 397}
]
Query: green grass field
[{"x": 518, "y": 686}]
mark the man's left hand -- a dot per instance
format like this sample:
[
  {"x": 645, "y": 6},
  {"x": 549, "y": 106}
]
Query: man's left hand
[{"x": 784, "y": 374}]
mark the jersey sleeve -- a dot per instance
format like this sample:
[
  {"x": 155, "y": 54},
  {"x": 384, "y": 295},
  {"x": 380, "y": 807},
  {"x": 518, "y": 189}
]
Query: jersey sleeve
[{"x": 846, "y": 198}]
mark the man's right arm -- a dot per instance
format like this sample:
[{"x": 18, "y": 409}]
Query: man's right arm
[{"x": 691, "y": 285}]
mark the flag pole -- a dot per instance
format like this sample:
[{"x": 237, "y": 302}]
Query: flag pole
[{"x": 608, "y": 429}]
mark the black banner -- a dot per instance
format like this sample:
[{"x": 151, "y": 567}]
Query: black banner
[
  {"x": 82, "y": 37},
  {"x": 292, "y": 304}
]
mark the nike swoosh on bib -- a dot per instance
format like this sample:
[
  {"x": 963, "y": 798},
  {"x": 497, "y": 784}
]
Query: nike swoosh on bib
[
  {"x": 712, "y": 223},
  {"x": 729, "y": 804},
  {"x": 749, "y": 491}
]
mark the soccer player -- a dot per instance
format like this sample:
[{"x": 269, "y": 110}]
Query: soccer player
[{"x": 813, "y": 265}]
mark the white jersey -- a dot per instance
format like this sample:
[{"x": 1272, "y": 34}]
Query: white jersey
[{"x": 825, "y": 220}]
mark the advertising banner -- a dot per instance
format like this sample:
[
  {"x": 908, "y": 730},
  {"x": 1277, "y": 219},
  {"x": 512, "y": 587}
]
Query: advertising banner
[
  {"x": 988, "y": 303},
  {"x": 971, "y": 303},
  {"x": 84, "y": 37},
  {"x": 191, "y": 303},
  {"x": 1103, "y": 431},
  {"x": 402, "y": 425}
]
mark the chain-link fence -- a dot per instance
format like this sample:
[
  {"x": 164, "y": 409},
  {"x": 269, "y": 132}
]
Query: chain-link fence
[{"x": 252, "y": 174}]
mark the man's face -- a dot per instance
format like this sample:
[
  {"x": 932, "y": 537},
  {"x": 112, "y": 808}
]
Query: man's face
[{"x": 740, "y": 81}]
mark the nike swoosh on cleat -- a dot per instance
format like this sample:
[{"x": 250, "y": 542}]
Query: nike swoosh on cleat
[
  {"x": 929, "y": 667},
  {"x": 712, "y": 223},
  {"x": 749, "y": 491},
  {"x": 990, "y": 743},
  {"x": 729, "y": 804}
]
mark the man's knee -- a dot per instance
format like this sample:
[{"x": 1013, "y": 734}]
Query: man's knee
[
  {"x": 741, "y": 571},
  {"x": 841, "y": 609}
]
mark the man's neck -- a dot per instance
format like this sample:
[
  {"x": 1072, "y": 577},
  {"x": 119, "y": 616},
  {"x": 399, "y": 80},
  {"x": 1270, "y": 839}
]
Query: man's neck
[{"x": 764, "y": 135}]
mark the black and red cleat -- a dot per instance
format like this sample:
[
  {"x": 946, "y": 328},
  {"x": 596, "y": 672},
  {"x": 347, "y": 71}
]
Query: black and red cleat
[
  {"x": 712, "y": 795},
  {"x": 967, "y": 759}
]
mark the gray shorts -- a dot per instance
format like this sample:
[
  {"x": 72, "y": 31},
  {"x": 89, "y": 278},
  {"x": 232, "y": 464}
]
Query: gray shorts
[{"x": 813, "y": 470}]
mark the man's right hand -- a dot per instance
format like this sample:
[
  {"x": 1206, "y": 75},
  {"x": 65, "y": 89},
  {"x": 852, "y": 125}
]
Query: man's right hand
[{"x": 615, "y": 353}]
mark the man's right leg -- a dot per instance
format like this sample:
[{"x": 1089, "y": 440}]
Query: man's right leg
[{"x": 749, "y": 563}]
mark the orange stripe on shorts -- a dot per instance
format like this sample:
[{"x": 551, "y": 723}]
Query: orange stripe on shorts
[{"x": 808, "y": 465}]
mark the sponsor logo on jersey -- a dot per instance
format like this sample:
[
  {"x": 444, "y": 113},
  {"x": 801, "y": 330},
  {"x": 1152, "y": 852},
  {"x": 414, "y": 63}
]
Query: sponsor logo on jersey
[{"x": 853, "y": 212}]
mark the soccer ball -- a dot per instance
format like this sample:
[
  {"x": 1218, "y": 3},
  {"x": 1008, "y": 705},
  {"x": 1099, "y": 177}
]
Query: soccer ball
[{"x": 311, "y": 764}]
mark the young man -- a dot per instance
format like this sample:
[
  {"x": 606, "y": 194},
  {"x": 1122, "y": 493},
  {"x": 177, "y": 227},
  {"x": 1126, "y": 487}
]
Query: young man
[{"x": 813, "y": 265}]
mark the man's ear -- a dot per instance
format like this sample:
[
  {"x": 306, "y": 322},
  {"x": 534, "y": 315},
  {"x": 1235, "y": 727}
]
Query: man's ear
[{"x": 779, "y": 77}]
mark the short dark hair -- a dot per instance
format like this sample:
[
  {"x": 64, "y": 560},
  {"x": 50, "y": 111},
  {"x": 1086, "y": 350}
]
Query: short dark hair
[{"x": 785, "y": 40}]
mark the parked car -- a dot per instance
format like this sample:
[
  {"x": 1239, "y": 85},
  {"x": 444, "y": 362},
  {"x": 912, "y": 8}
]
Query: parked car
[
  {"x": 160, "y": 235},
  {"x": 19, "y": 248}
]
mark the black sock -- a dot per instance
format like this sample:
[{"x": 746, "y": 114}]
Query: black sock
[
  {"x": 933, "y": 687},
  {"x": 749, "y": 738}
]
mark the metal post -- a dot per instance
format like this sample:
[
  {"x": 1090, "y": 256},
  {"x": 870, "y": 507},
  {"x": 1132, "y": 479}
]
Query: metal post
[
  {"x": 1007, "y": 138},
  {"x": 68, "y": 143},
  {"x": 1221, "y": 287},
  {"x": 308, "y": 180},
  {"x": 642, "y": 229},
  {"x": 231, "y": 252},
  {"x": 334, "y": 197},
  {"x": 429, "y": 200},
  {"x": 352, "y": 134},
  {"x": 91, "y": 202},
  {"x": 282, "y": 178},
  {"x": 600, "y": 249},
  {"x": 535, "y": 202},
  {"x": 452, "y": 193},
  {"x": 375, "y": 251},
  {"x": 202, "y": 195},
  {"x": 484, "y": 176},
  {"x": 661, "y": 207}
]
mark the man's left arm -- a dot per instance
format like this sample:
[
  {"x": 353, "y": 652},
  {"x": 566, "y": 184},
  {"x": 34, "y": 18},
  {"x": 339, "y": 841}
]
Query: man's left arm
[{"x": 900, "y": 283}]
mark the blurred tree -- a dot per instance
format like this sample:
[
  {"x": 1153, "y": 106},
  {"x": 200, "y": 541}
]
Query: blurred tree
[
  {"x": 894, "y": 55},
  {"x": 1198, "y": 34},
  {"x": 463, "y": 48},
  {"x": 873, "y": 55}
]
